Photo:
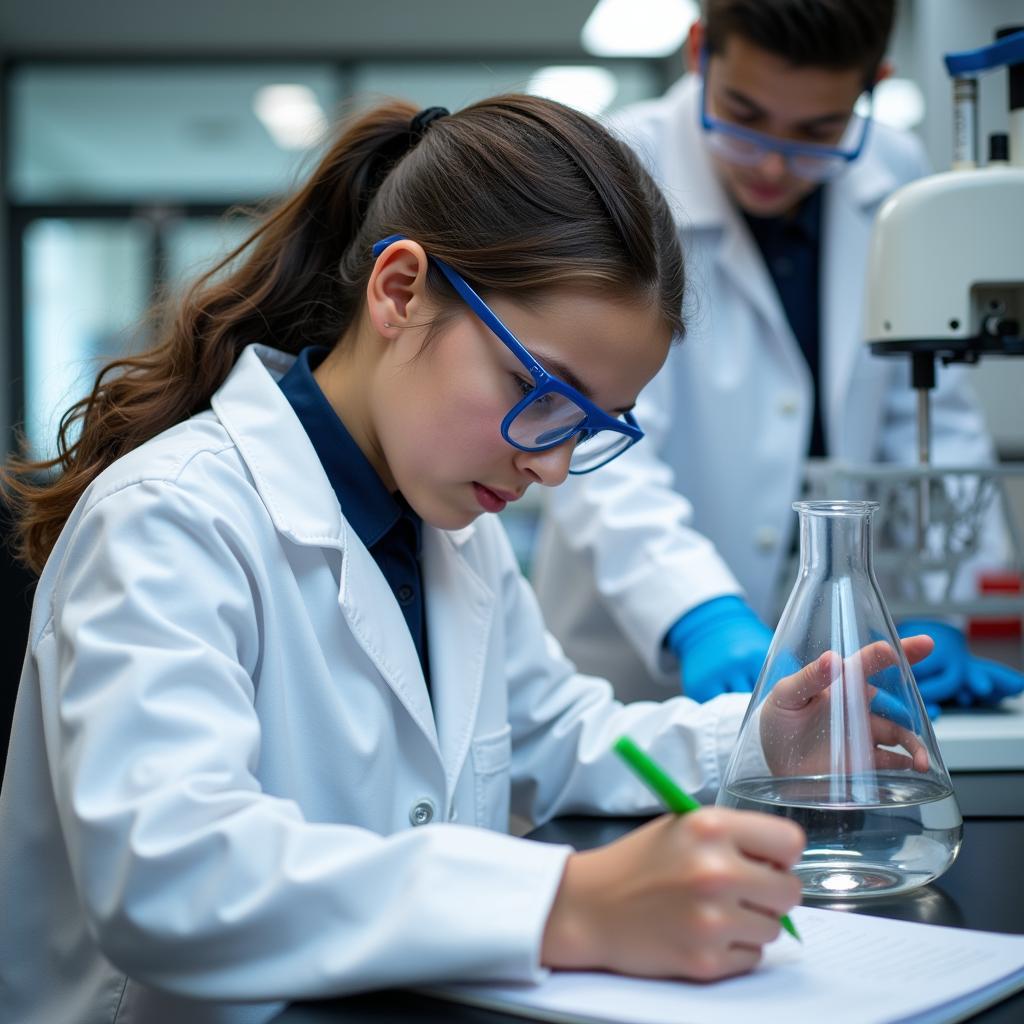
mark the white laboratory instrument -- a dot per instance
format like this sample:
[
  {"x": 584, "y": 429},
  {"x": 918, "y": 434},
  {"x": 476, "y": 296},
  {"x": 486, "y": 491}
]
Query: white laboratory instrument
[
  {"x": 946, "y": 282},
  {"x": 946, "y": 266}
]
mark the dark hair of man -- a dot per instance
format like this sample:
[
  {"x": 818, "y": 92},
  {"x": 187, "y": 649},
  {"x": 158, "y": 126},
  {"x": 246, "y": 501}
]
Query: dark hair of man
[{"x": 837, "y": 34}]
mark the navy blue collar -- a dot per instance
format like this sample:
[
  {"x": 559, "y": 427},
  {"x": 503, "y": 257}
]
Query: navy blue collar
[
  {"x": 805, "y": 222},
  {"x": 366, "y": 502}
]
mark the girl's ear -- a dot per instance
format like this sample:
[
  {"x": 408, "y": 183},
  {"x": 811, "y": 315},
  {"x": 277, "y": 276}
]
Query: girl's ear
[
  {"x": 694, "y": 44},
  {"x": 885, "y": 70},
  {"x": 396, "y": 290}
]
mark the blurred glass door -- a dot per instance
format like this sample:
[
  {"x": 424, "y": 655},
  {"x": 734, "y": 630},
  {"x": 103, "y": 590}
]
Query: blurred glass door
[
  {"x": 87, "y": 283},
  {"x": 192, "y": 245}
]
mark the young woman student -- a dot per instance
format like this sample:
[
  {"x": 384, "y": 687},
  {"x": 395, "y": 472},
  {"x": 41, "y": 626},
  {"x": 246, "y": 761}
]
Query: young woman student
[{"x": 285, "y": 682}]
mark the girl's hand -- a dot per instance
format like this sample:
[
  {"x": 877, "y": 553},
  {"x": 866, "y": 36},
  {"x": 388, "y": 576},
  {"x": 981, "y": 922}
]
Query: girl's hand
[
  {"x": 797, "y": 716},
  {"x": 693, "y": 896}
]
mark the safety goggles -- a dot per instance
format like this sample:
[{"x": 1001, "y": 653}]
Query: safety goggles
[
  {"x": 807, "y": 160},
  {"x": 551, "y": 412}
]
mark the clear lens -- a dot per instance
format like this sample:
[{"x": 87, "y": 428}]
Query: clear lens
[
  {"x": 545, "y": 421},
  {"x": 804, "y": 164},
  {"x": 737, "y": 151},
  {"x": 552, "y": 418},
  {"x": 816, "y": 168},
  {"x": 597, "y": 450}
]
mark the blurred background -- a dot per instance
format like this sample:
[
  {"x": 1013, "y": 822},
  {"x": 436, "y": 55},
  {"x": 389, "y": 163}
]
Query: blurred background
[{"x": 132, "y": 132}]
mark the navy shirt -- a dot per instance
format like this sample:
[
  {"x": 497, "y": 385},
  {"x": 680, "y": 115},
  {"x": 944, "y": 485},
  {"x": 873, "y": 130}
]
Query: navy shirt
[
  {"x": 384, "y": 522},
  {"x": 791, "y": 247}
]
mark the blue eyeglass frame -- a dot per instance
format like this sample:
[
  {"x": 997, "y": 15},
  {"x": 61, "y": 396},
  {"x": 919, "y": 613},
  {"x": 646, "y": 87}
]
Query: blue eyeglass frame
[
  {"x": 786, "y": 147},
  {"x": 595, "y": 418}
]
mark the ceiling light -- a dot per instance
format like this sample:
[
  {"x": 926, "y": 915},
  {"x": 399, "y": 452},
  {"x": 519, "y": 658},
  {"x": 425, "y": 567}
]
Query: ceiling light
[
  {"x": 587, "y": 88},
  {"x": 638, "y": 28},
  {"x": 898, "y": 102},
  {"x": 291, "y": 114}
]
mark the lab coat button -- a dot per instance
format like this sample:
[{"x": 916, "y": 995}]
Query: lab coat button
[
  {"x": 789, "y": 406},
  {"x": 422, "y": 812},
  {"x": 766, "y": 537}
]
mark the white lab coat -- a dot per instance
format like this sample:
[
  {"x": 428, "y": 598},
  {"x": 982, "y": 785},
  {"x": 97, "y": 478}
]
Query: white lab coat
[
  {"x": 223, "y": 737},
  {"x": 701, "y": 507}
]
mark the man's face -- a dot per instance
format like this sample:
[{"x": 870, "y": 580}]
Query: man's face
[{"x": 759, "y": 90}]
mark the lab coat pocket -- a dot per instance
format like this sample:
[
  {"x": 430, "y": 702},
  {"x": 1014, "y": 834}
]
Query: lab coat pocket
[{"x": 492, "y": 757}]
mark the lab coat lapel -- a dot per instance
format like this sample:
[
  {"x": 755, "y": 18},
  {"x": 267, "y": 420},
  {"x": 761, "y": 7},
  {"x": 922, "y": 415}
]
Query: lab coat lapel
[
  {"x": 460, "y": 613},
  {"x": 741, "y": 263},
  {"x": 377, "y": 623},
  {"x": 258, "y": 418},
  {"x": 850, "y": 205}
]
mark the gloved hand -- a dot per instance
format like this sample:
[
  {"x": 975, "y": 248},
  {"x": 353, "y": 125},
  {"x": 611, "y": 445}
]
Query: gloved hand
[
  {"x": 950, "y": 674},
  {"x": 721, "y": 646},
  {"x": 892, "y": 700}
]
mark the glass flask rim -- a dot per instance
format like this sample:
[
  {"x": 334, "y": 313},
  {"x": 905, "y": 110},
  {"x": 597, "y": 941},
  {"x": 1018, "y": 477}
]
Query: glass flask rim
[{"x": 836, "y": 507}]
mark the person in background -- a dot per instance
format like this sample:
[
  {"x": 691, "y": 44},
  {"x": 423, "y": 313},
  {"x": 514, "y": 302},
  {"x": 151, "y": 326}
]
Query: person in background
[
  {"x": 664, "y": 570},
  {"x": 285, "y": 682}
]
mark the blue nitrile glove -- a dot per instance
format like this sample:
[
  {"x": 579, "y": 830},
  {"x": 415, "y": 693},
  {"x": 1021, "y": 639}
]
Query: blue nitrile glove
[
  {"x": 951, "y": 674},
  {"x": 893, "y": 702},
  {"x": 721, "y": 645}
]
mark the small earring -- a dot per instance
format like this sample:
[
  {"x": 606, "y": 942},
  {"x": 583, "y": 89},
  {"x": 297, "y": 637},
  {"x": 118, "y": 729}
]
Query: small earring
[{"x": 386, "y": 324}]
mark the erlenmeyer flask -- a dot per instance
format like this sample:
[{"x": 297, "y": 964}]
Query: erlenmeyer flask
[{"x": 836, "y": 736}]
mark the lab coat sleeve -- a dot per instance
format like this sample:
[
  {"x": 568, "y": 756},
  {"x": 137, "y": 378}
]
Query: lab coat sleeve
[
  {"x": 194, "y": 880},
  {"x": 564, "y": 725},
  {"x": 635, "y": 532}
]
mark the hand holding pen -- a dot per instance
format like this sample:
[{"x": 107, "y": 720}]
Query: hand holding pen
[
  {"x": 676, "y": 799},
  {"x": 693, "y": 896}
]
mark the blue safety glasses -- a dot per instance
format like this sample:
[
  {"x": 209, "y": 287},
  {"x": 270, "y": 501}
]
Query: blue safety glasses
[
  {"x": 807, "y": 160},
  {"x": 551, "y": 412}
]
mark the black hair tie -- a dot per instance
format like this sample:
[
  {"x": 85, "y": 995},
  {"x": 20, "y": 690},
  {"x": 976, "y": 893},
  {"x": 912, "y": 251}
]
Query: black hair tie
[
  {"x": 390, "y": 151},
  {"x": 423, "y": 120}
]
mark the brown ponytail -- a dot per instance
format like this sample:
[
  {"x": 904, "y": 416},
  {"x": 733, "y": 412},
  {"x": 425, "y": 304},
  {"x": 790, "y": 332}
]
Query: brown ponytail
[{"x": 518, "y": 193}]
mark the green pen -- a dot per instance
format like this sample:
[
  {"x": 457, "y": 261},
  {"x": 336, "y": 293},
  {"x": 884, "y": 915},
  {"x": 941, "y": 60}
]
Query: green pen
[{"x": 675, "y": 799}]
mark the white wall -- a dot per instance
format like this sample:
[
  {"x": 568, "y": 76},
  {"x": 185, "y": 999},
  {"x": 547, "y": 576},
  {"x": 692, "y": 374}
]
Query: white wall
[{"x": 937, "y": 27}]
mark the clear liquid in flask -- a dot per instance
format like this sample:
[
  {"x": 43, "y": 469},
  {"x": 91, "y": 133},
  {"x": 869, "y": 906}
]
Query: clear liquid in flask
[{"x": 909, "y": 837}]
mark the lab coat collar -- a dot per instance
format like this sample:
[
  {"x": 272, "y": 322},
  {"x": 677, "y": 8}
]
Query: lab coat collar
[
  {"x": 277, "y": 451},
  {"x": 702, "y": 206},
  {"x": 369, "y": 506},
  {"x": 304, "y": 507},
  {"x": 690, "y": 183}
]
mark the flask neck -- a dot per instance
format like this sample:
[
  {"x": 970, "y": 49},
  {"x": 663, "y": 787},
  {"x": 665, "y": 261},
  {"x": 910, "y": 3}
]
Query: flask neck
[{"x": 835, "y": 545}]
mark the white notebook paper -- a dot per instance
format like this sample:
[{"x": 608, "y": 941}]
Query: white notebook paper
[{"x": 850, "y": 969}]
